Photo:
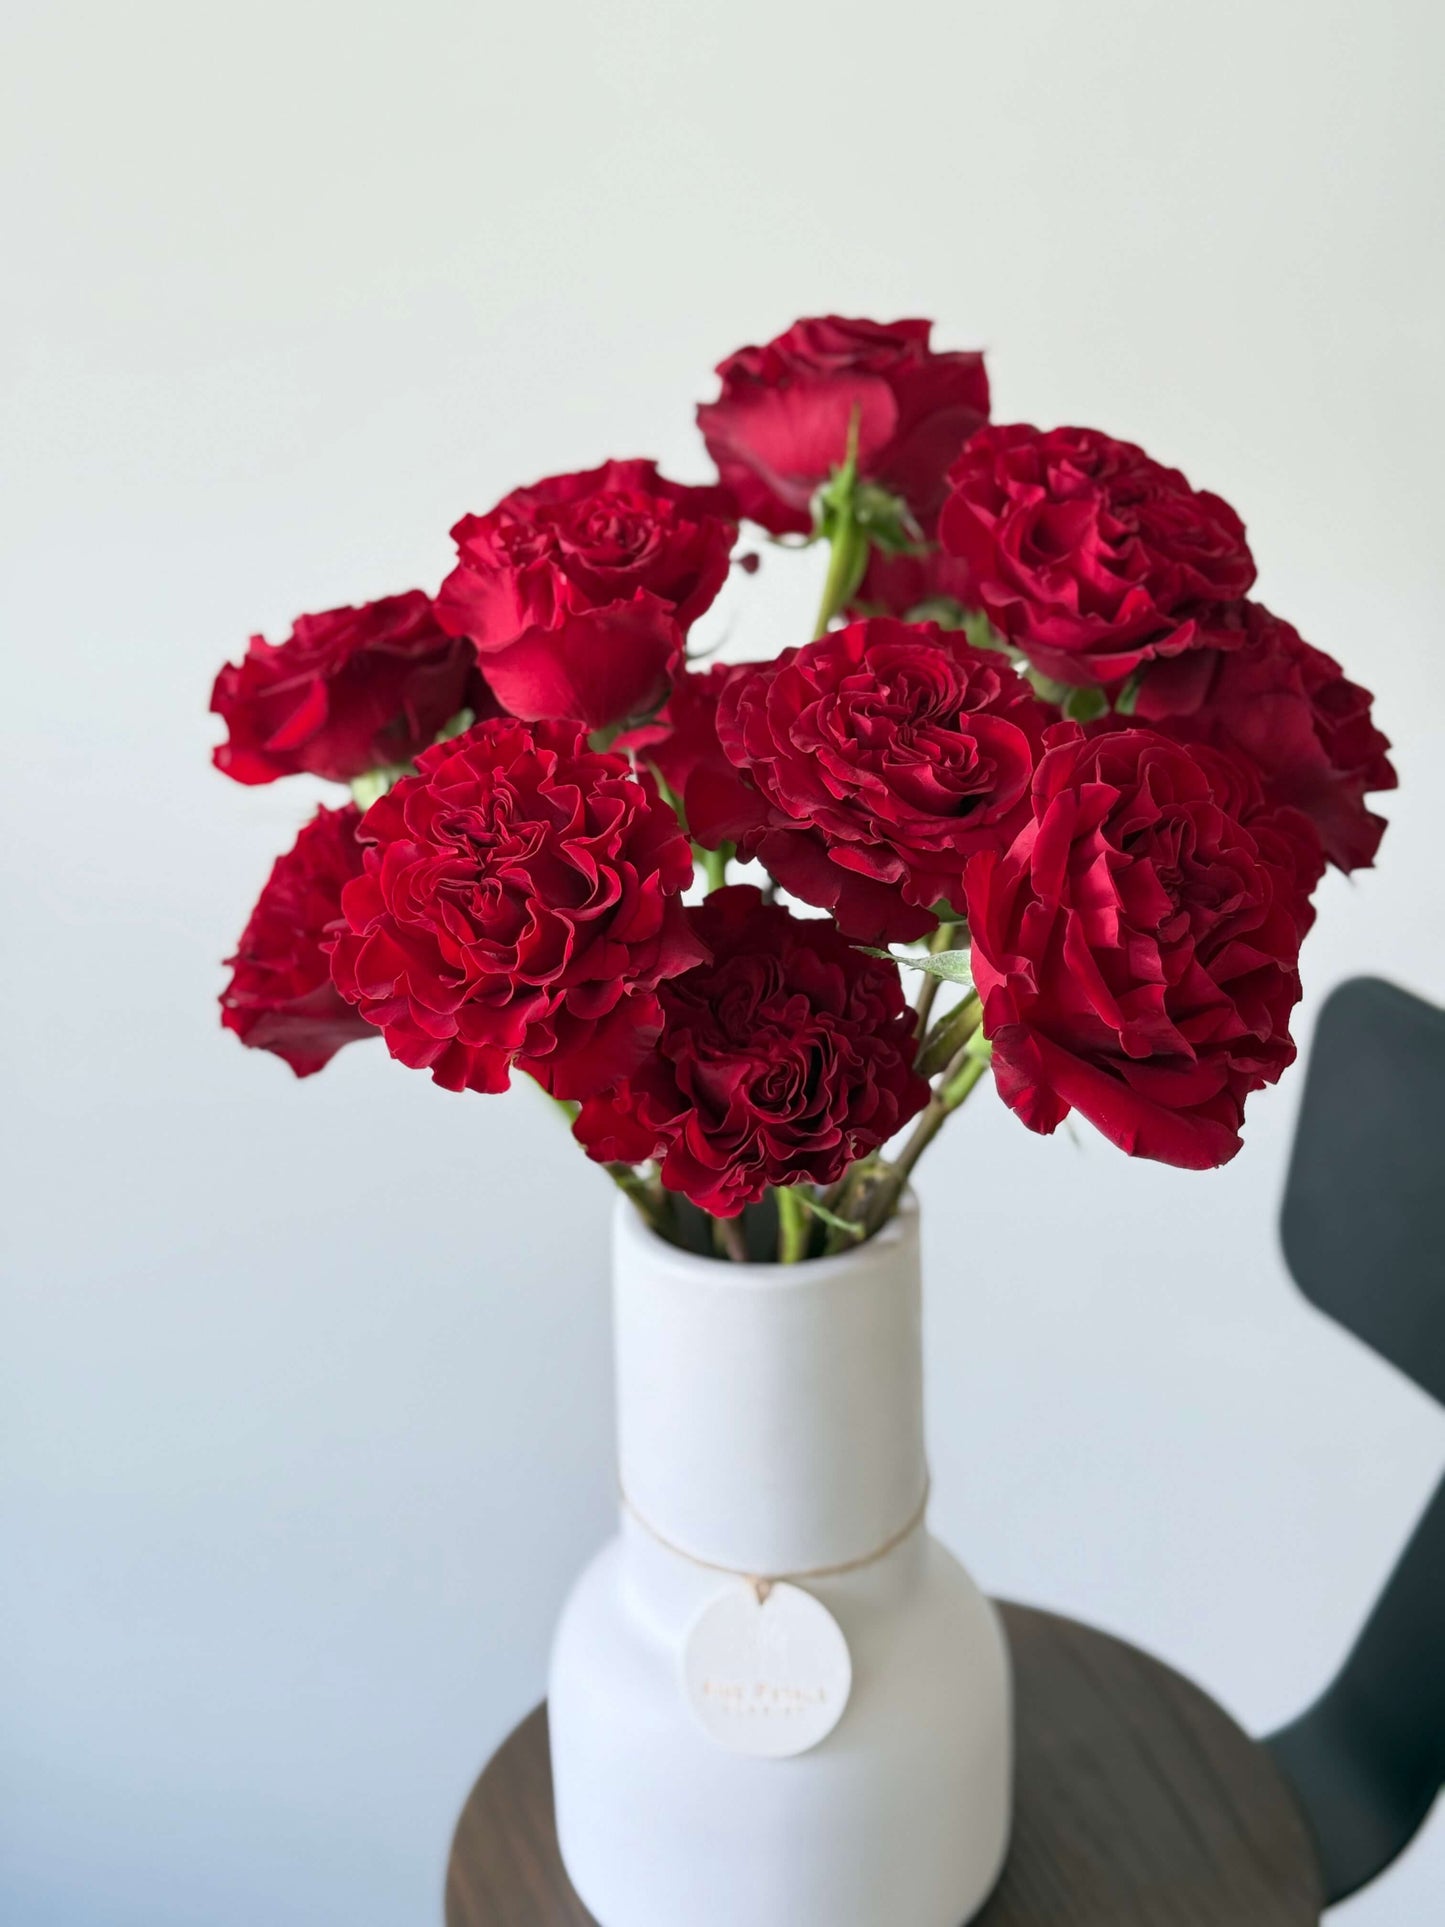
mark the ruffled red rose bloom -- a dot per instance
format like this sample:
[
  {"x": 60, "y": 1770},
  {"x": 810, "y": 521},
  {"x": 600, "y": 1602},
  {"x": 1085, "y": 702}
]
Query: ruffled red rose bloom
[
  {"x": 1286, "y": 837},
  {"x": 281, "y": 997},
  {"x": 1258, "y": 687},
  {"x": 578, "y": 593},
  {"x": 780, "y": 426},
  {"x": 1136, "y": 948},
  {"x": 885, "y": 754},
  {"x": 681, "y": 744},
  {"x": 783, "y": 1059},
  {"x": 1089, "y": 556},
  {"x": 348, "y": 691},
  {"x": 519, "y": 906}
]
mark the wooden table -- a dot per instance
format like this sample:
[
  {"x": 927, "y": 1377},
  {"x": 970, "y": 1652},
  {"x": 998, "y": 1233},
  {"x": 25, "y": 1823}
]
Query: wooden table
[{"x": 1139, "y": 1804}]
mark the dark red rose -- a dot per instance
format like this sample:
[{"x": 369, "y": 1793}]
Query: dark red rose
[
  {"x": 1259, "y": 688},
  {"x": 681, "y": 744},
  {"x": 780, "y": 427},
  {"x": 888, "y": 753},
  {"x": 281, "y": 997},
  {"x": 578, "y": 593},
  {"x": 1286, "y": 837},
  {"x": 1136, "y": 947},
  {"x": 1089, "y": 556},
  {"x": 518, "y": 908},
  {"x": 786, "y": 1057},
  {"x": 900, "y": 584},
  {"x": 348, "y": 691}
]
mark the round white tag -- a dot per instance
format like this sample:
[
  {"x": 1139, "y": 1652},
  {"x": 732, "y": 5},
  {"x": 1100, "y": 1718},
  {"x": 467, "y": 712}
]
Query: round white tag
[{"x": 768, "y": 1677}]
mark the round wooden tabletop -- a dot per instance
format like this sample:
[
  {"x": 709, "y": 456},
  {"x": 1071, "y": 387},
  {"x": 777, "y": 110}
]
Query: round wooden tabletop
[{"x": 1139, "y": 1804}]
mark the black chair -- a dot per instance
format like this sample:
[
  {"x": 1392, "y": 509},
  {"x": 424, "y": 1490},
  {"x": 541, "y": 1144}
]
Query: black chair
[{"x": 1363, "y": 1229}]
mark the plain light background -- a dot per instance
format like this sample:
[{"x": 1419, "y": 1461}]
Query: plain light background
[{"x": 305, "y": 1419}]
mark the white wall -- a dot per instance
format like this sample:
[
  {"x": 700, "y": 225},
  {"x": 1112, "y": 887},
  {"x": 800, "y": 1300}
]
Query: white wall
[{"x": 305, "y": 1405}]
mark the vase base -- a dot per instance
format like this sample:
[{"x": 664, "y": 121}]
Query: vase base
[{"x": 900, "y": 1818}]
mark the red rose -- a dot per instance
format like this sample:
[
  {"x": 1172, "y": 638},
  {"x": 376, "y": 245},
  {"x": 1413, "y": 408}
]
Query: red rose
[
  {"x": 1259, "y": 688},
  {"x": 1089, "y": 556},
  {"x": 1136, "y": 947},
  {"x": 780, "y": 427},
  {"x": 1286, "y": 837},
  {"x": 578, "y": 593},
  {"x": 889, "y": 753},
  {"x": 786, "y": 1057},
  {"x": 348, "y": 691},
  {"x": 519, "y": 907},
  {"x": 681, "y": 744},
  {"x": 281, "y": 997}
]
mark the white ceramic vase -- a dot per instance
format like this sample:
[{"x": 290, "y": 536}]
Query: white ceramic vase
[{"x": 770, "y": 1422}]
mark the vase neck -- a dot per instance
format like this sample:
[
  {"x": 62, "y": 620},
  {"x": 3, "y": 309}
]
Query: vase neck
[{"x": 770, "y": 1417}]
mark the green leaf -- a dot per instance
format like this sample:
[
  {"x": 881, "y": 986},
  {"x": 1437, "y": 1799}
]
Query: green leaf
[
  {"x": 953, "y": 966},
  {"x": 831, "y": 1218},
  {"x": 1048, "y": 690},
  {"x": 886, "y": 519},
  {"x": 982, "y": 634},
  {"x": 1084, "y": 704}
]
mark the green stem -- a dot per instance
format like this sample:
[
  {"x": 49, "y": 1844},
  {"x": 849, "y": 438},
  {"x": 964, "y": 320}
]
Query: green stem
[
  {"x": 844, "y": 1202},
  {"x": 792, "y": 1225},
  {"x": 831, "y": 1219},
  {"x": 948, "y": 1036},
  {"x": 714, "y": 864},
  {"x": 848, "y": 542},
  {"x": 847, "y": 559},
  {"x": 977, "y": 1062},
  {"x": 963, "y": 1073},
  {"x": 942, "y": 939}
]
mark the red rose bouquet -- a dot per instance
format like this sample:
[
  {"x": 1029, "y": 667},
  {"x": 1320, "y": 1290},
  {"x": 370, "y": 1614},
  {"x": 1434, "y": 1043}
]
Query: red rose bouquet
[{"x": 1042, "y": 760}]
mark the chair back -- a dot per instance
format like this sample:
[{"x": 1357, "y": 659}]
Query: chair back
[
  {"x": 1363, "y": 1222},
  {"x": 1363, "y": 1229}
]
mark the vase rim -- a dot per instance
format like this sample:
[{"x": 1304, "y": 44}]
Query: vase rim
[{"x": 630, "y": 1229}]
